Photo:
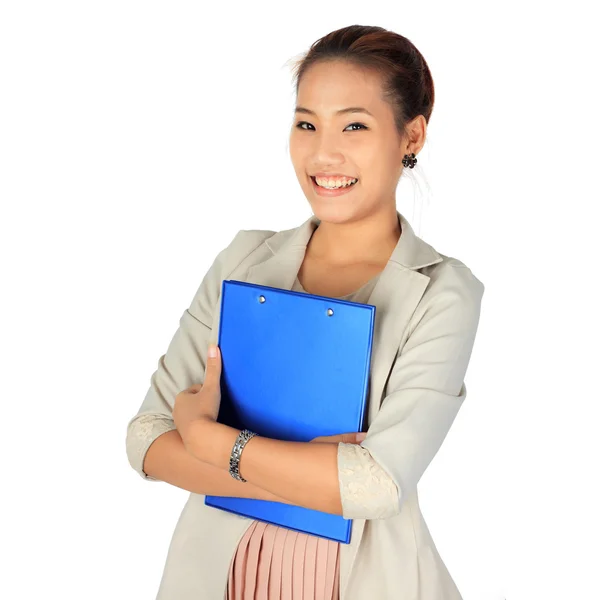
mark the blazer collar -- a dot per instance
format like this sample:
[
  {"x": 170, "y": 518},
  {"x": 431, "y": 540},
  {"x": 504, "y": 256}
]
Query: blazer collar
[
  {"x": 288, "y": 248},
  {"x": 411, "y": 251}
]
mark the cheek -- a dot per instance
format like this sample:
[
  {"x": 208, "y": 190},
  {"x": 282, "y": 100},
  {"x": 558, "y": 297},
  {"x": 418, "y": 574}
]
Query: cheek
[
  {"x": 380, "y": 170},
  {"x": 299, "y": 150},
  {"x": 297, "y": 155}
]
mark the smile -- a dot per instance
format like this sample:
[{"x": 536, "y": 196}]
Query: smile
[{"x": 329, "y": 192}]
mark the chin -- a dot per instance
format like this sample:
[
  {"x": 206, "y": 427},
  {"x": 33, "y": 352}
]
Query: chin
[
  {"x": 344, "y": 208},
  {"x": 334, "y": 213}
]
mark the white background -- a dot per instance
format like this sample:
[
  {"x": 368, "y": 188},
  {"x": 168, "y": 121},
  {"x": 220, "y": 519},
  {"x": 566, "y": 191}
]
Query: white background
[{"x": 136, "y": 139}]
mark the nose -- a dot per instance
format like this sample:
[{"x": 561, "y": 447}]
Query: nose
[{"x": 327, "y": 150}]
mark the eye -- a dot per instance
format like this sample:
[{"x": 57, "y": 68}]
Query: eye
[
  {"x": 300, "y": 123},
  {"x": 359, "y": 124}
]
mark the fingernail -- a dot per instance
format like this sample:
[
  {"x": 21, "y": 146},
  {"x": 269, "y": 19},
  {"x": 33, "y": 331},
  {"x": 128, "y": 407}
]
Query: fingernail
[
  {"x": 212, "y": 351},
  {"x": 361, "y": 436}
]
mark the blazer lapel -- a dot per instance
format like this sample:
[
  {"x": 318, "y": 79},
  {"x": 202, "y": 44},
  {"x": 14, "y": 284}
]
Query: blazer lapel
[
  {"x": 395, "y": 296},
  {"x": 288, "y": 247}
]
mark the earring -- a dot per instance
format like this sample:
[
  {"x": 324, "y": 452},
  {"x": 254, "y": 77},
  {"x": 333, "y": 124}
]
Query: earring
[{"x": 409, "y": 160}]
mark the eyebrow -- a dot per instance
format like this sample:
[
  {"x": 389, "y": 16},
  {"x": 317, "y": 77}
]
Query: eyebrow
[{"x": 350, "y": 109}]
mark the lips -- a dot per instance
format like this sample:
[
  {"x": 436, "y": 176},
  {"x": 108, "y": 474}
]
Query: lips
[{"x": 333, "y": 192}]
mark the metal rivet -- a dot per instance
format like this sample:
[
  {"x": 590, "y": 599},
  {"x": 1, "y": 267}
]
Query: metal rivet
[
  {"x": 262, "y": 299},
  {"x": 329, "y": 312}
]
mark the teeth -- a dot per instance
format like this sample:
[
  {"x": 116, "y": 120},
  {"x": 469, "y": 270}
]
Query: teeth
[{"x": 333, "y": 184}]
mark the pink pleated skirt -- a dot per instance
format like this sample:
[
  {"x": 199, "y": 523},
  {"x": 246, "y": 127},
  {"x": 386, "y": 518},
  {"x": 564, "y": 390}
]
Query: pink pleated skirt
[{"x": 276, "y": 563}]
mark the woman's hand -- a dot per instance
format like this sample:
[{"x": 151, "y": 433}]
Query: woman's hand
[{"x": 199, "y": 402}]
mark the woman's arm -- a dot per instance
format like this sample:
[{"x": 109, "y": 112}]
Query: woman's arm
[
  {"x": 304, "y": 472},
  {"x": 167, "y": 460},
  {"x": 184, "y": 362}
]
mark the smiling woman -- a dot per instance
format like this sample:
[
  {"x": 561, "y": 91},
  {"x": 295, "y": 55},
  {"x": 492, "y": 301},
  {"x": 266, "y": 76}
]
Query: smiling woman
[{"x": 365, "y": 96}]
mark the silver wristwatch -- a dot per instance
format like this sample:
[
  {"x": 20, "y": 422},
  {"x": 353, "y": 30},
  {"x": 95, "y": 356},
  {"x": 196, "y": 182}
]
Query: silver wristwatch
[{"x": 236, "y": 453}]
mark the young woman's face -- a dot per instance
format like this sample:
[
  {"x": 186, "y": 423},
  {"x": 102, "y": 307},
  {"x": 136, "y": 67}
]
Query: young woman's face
[{"x": 354, "y": 144}]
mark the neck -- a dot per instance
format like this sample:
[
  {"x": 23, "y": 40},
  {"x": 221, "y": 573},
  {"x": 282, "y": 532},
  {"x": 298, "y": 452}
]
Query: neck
[{"x": 369, "y": 240}]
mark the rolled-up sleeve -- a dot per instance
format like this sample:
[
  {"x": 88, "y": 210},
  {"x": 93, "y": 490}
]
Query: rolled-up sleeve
[
  {"x": 426, "y": 385},
  {"x": 184, "y": 362},
  {"x": 366, "y": 490}
]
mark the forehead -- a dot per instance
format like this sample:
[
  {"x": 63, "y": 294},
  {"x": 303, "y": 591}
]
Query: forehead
[{"x": 329, "y": 85}]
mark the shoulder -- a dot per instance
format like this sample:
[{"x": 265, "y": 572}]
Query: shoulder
[
  {"x": 452, "y": 273},
  {"x": 452, "y": 298},
  {"x": 243, "y": 244},
  {"x": 253, "y": 237}
]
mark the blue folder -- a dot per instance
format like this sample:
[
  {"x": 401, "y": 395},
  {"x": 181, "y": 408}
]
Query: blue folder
[{"x": 295, "y": 366}]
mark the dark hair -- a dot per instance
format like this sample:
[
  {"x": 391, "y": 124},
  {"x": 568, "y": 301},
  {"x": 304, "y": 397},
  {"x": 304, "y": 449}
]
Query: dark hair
[{"x": 407, "y": 81}]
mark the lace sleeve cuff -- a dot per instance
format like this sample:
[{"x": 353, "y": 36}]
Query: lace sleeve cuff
[
  {"x": 141, "y": 434},
  {"x": 367, "y": 491}
]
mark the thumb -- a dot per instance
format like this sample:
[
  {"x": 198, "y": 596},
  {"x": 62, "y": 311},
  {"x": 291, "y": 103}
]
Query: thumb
[{"x": 213, "y": 366}]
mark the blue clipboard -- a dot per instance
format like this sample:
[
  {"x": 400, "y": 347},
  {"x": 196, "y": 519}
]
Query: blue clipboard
[{"x": 295, "y": 366}]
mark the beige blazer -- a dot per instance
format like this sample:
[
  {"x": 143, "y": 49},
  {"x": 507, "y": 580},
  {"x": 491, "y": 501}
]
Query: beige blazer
[{"x": 427, "y": 314}]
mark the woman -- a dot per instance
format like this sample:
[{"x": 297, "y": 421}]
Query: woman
[{"x": 364, "y": 98}]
